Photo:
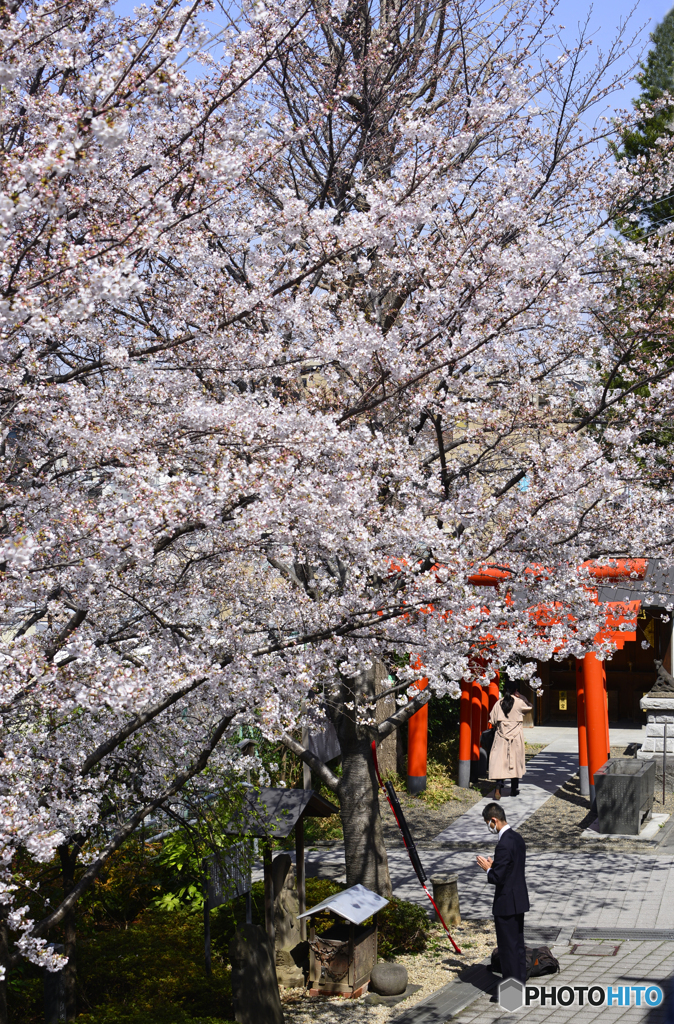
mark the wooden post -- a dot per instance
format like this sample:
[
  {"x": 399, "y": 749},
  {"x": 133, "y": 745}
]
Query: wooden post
[
  {"x": 476, "y": 722},
  {"x": 494, "y": 691},
  {"x": 608, "y": 735},
  {"x": 314, "y": 966},
  {"x": 268, "y": 895},
  {"x": 484, "y": 724},
  {"x": 300, "y": 874},
  {"x": 207, "y": 918},
  {"x": 417, "y": 747},
  {"x": 352, "y": 966}
]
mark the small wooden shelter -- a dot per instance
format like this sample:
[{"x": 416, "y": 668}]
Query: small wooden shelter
[
  {"x": 270, "y": 814},
  {"x": 342, "y": 958}
]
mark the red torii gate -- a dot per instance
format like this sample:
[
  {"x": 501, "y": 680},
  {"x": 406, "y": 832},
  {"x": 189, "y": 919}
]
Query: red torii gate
[{"x": 477, "y": 700}]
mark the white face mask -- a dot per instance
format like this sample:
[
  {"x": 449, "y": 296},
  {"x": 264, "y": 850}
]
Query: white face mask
[{"x": 492, "y": 827}]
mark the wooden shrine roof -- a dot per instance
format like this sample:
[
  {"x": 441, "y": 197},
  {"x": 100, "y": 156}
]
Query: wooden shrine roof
[{"x": 275, "y": 812}]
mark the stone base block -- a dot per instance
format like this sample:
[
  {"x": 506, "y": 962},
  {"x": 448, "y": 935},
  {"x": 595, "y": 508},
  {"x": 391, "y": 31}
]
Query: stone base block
[
  {"x": 653, "y": 747},
  {"x": 356, "y": 994},
  {"x": 446, "y": 896}
]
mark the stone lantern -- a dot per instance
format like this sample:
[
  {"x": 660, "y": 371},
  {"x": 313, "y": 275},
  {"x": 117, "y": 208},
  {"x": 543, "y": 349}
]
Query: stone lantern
[{"x": 659, "y": 702}]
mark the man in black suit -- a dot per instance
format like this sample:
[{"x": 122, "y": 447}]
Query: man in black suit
[{"x": 511, "y": 899}]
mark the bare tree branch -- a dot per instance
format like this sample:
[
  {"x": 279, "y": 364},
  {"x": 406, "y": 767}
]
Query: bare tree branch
[
  {"x": 317, "y": 766},
  {"x": 389, "y": 725}
]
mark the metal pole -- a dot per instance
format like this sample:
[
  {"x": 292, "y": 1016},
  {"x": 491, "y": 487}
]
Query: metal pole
[{"x": 664, "y": 764}]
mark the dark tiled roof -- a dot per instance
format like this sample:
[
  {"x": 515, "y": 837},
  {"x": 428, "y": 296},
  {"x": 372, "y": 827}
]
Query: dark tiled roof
[
  {"x": 655, "y": 590},
  {"x": 275, "y": 812}
]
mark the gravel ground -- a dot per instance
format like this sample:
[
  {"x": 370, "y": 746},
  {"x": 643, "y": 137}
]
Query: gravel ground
[
  {"x": 426, "y": 822},
  {"x": 558, "y": 824},
  {"x": 432, "y": 969}
]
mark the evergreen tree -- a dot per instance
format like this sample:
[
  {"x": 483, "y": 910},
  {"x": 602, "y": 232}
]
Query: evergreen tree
[{"x": 655, "y": 78}]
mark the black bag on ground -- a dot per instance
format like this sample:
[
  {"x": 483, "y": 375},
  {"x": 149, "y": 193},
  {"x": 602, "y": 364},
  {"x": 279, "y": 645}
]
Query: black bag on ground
[{"x": 540, "y": 961}]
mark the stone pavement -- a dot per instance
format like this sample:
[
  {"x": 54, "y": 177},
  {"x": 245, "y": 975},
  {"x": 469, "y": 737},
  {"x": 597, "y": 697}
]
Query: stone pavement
[
  {"x": 589, "y": 888},
  {"x": 546, "y": 772},
  {"x": 631, "y": 962},
  {"x": 564, "y": 738}
]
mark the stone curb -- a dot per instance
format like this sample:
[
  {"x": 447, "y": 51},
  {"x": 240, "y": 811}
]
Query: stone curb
[{"x": 452, "y": 998}]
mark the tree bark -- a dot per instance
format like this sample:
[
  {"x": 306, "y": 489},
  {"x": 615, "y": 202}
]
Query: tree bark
[
  {"x": 353, "y": 701},
  {"x": 68, "y": 857},
  {"x": 365, "y": 853},
  {"x": 4, "y": 962}
]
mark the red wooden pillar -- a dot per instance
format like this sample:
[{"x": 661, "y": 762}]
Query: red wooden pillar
[
  {"x": 465, "y": 737},
  {"x": 494, "y": 691},
  {"x": 582, "y": 730},
  {"x": 484, "y": 724},
  {"x": 476, "y": 726},
  {"x": 595, "y": 716},
  {"x": 417, "y": 746}
]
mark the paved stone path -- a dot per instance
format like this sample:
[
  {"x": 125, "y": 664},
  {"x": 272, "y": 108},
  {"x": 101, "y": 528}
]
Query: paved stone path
[
  {"x": 589, "y": 889},
  {"x": 546, "y": 772},
  {"x": 565, "y": 737},
  {"x": 634, "y": 963}
]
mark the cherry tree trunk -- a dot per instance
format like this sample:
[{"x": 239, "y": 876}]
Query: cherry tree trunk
[
  {"x": 364, "y": 850},
  {"x": 68, "y": 862},
  {"x": 4, "y": 962},
  {"x": 365, "y": 853}
]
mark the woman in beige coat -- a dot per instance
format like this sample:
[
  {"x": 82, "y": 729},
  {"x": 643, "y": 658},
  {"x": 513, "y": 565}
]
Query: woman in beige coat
[{"x": 506, "y": 760}]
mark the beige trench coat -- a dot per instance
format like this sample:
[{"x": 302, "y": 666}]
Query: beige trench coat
[{"x": 506, "y": 760}]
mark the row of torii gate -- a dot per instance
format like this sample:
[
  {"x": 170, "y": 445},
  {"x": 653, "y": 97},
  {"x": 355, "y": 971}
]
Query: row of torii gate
[{"x": 478, "y": 698}]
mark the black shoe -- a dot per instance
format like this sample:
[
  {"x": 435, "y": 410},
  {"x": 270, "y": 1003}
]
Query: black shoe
[{"x": 514, "y": 790}]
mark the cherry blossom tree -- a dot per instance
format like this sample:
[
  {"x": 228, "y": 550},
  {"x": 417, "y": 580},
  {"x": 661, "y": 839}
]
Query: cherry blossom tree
[{"x": 304, "y": 324}]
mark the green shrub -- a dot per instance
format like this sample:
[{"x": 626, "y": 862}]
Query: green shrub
[
  {"x": 403, "y": 928},
  {"x": 153, "y": 971}
]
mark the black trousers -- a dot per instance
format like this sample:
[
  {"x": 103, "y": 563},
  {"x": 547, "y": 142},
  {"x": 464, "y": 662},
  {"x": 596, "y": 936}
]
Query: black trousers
[
  {"x": 510, "y": 942},
  {"x": 513, "y": 782}
]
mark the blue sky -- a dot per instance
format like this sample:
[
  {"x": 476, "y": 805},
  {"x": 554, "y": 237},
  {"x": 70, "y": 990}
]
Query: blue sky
[{"x": 604, "y": 21}]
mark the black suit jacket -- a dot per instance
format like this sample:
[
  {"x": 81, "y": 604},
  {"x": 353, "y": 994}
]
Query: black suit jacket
[{"x": 507, "y": 874}]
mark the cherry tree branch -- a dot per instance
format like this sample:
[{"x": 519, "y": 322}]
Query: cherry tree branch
[
  {"x": 316, "y": 765},
  {"x": 389, "y": 725},
  {"x": 92, "y": 872},
  {"x": 137, "y": 723}
]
